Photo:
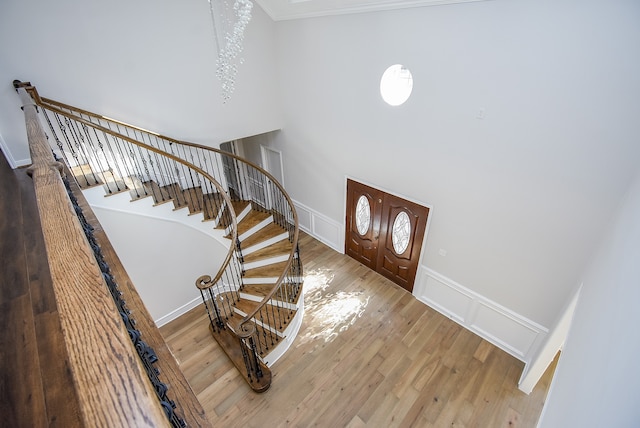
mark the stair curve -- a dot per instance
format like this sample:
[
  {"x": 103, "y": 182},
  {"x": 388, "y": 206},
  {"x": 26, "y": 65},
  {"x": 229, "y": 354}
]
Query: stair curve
[
  {"x": 265, "y": 249},
  {"x": 265, "y": 245}
]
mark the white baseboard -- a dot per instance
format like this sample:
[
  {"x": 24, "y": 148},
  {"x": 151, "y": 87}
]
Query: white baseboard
[
  {"x": 506, "y": 329},
  {"x": 178, "y": 312},
  {"x": 290, "y": 333},
  {"x": 9, "y": 156},
  {"x": 321, "y": 227}
]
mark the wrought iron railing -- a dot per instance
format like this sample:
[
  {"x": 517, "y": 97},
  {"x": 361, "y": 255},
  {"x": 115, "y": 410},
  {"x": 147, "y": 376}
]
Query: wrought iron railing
[{"x": 122, "y": 157}]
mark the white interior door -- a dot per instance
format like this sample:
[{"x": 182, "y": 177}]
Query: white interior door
[{"x": 272, "y": 162}]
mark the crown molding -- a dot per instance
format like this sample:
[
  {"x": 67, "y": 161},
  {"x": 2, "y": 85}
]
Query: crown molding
[{"x": 282, "y": 10}]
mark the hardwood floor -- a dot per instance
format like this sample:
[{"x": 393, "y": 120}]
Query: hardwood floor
[
  {"x": 368, "y": 354},
  {"x": 36, "y": 388}
]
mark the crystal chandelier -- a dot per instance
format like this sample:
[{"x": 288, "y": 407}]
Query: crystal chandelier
[{"x": 229, "y": 23}]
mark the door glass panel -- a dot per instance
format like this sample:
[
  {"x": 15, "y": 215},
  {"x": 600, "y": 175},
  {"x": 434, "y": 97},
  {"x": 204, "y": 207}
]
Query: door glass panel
[
  {"x": 401, "y": 233},
  {"x": 363, "y": 215}
]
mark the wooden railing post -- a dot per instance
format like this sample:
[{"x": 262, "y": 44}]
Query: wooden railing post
[{"x": 112, "y": 386}]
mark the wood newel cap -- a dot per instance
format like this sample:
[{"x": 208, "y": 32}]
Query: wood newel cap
[{"x": 54, "y": 165}]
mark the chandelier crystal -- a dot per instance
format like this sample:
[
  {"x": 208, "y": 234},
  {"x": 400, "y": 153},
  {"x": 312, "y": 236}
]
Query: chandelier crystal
[{"x": 229, "y": 24}]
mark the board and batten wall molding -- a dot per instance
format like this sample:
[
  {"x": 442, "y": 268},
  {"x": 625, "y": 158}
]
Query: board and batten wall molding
[
  {"x": 509, "y": 331},
  {"x": 321, "y": 227}
]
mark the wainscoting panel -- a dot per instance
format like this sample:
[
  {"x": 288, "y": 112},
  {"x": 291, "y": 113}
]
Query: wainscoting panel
[
  {"x": 452, "y": 301},
  {"x": 305, "y": 217},
  {"x": 322, "y": 228},
  {"x": 507, "y": 330}
]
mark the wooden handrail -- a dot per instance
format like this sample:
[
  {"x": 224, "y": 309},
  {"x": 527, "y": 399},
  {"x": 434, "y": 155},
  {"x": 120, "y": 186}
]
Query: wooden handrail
[
  {"x": 112, "y": 386},
  {"x": 188, "y": 407}
]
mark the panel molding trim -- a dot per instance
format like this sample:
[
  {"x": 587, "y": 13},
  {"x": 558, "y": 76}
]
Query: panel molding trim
[
  {"x": 321, "y": 227},
  {"x": 509, "y": 331}
]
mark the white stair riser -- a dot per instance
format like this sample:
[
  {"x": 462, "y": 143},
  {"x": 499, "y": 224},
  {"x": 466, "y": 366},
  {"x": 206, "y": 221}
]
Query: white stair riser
[
  {"x": 263, "y": 244},
  {"x": 255, "y": 298},
  {"x": 265, "y": 262},
  {"x": 264, "y": 223}
]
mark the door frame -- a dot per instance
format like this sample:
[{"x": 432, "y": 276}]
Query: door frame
[
  {"x": 266, "y": 164},
  {"x": 399, "y": 195}
]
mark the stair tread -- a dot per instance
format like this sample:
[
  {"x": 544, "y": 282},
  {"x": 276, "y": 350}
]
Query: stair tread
[
  {"x": 258, "y": 290},
  {"x": 211, "y": 205},
  {"x": 261, "y": 290},
  {"x": 194, "y": 199},
  {"x": 137, "y": 189},
  {"x": 238, "y": 206},
  {"x": 269, "y": 271},
  {"x": 159, "y": 194},
  {"x": 272, "y": 321},
  {"x": 282, "y": 247},
  {"x": 85, "y": 176},
  {"x": 114, "y": 186},
  {"x": 252, "y": 219},
  {"x": 262, "y": 235},
  {"x": 176, "y": 194}
]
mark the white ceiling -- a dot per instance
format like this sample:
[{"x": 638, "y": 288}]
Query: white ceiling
[{"x": 280, "y": 10}]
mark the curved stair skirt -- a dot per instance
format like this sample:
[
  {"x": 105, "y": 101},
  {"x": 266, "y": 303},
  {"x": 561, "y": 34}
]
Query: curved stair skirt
[
  {"x": 289, "y": 335},
  {"x": 122, "y": 202}
]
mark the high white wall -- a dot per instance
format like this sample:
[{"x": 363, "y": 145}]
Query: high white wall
[
  {"x": 520, "y": 197},
  {"x": 596, "y": 380},
  {"x": 150, "y": 63}
]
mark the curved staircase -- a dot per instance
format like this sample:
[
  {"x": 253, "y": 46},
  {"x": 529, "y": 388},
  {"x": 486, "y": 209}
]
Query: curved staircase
[
  {"x": 265, "y": 253},
  {"x": 254, "y": 298}
]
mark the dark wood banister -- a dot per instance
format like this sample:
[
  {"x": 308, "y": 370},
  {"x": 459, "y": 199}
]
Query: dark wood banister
[
  {"x": 112, "y": 386},
  {"x": 269, "y": 295}
]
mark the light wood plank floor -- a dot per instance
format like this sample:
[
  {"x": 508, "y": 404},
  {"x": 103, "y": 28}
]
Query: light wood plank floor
[{"x": 368, "y": 354}]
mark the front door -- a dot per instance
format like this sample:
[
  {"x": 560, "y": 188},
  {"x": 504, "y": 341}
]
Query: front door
[
  {"x": 385, "y": 232},
  {"x": 364, "y": 209}
]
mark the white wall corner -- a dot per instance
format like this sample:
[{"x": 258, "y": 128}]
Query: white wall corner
[
  {"x": 321, "y": 227},
  {"x": 10, "y": 160},
  {"x": 509, "y": 331},
  {"x": 545, "y": 351}
]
